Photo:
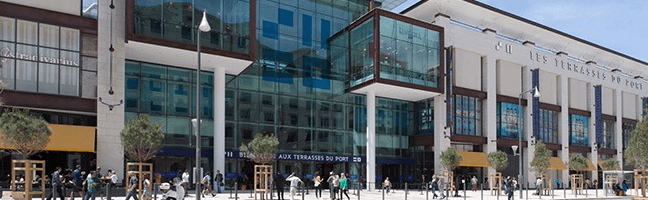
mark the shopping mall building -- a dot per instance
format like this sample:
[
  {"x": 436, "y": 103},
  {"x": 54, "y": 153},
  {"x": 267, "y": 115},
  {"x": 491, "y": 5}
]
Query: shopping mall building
[{"x": 345, "y": 85}]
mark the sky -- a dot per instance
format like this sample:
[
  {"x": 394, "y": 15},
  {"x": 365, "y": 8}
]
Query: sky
[{"x": 620, "y": 25}]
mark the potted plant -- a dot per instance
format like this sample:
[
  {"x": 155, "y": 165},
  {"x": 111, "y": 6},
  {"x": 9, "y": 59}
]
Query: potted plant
[
  {"x": 499, "y": 161},
  {"x": 25, "y": 135},
  {"x": 540, "y": 164},
  {"x": 262, "y": 150},
  {"x": 577, "y": 163},
  {"x": 637, "y": 154},
  {"x": 450, "y": 160},
  {"x": 141, "y": 141}
]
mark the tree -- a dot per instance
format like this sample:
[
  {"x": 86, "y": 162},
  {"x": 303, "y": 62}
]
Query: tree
[
  {"x": 637, "y": 151},
  {"x": 450, "y": 159},
  {"x": 2, "y": 86},
  {"x": 540, "y": 163},
  {"x": 498, "y": 160},
  {"x": 261, "y": 149},
  {"x": 141, "y": 139},
  {"x": 610, "y": 164},
  {"x": 23, "y": 133},
  {"x": 577, "y": 163}
]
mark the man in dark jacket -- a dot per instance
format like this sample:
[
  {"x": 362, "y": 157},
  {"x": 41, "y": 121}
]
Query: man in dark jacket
[{"x": 279, "y": 182}]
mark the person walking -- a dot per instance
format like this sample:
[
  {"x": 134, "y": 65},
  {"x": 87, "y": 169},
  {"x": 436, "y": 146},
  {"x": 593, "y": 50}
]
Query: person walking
[
  {"x": 538, "y": 186},
  {"x": 57, "y": 185},
  {"x": 474, "y": 183},
  {"x": 92, "y": 183},
  {"x": 280, "y": 182},
  {"x": 441, "y": 186},
  {"x": 344, "y": 187},
  {"x": 330, "y": 181},
  {"x": 336, "y": 186},
  {"x": 510, "y": 188},
  {"x": 434, "y": 186},
  {"x": 207, "y": 189},
  {"x": 361, "y": 181},
  {"x": 317, "y": 182},
  {"x": 132, "y": 186},
  {"x": 294, "y": 184},
  {"x": 113, "y": 180},
  {"x": 185, "y": 179},
  {"x": 78, "y": 182},
  {"x": 387, "y": 185}
]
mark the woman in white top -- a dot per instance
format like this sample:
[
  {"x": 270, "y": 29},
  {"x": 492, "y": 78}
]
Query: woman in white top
[{"x": 317, "y": 182}]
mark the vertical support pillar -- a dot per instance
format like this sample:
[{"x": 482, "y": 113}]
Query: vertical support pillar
[
  {"x": 219, "y": 119},
  {"x": 490, "y": 105},
  {"x": 618, "y": 128},
  {"x": 371, "y": 140},
  {"x": 592, "y": 131},
  {"x": 564, "y": 123}
]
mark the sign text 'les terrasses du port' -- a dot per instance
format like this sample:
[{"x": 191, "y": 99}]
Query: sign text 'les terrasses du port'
[{"x": 303, "y": 157}]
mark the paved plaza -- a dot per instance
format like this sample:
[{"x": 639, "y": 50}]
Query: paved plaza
[{"x": 413, "y": 195}]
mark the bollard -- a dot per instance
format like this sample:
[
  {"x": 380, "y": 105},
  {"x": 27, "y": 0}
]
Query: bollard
[
  {"x": 302, "y": 193},
  {"x": 230, "y": 197},
  {"x": 271, "y": 191},
  {"x": 498, "y": 191},
  {"x": 236, "y": 190},
  {"x": 482, "y": 190},
  {"x": 156, "y": 186},
  {"x": 527, "y": 189},
  {"x": 427, "y": 192},
  {"x": 383, "y": 193},
  {"x": 406, "y": 191},
  {"x": 359, "y": 187},
  {"x": 564, "y": 191},
  {"x": 108, "y": 194},
  {"x": 464, "y": 182}
]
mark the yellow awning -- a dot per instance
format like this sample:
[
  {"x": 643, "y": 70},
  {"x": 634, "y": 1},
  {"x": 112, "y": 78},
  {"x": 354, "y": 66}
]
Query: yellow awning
[
  {"x": 590, "y": 166},
  {"x": 600, "y": 162},
  {"x": 555, "y": 163},
  {"x": 71, "y": 138},
  {"x": 473, "y": 159}
]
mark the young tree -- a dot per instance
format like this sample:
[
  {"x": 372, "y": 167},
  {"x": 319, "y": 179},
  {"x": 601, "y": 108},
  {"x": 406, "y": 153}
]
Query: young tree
[
  {"x": 450, "y": 159},
  {"x": 540, "y": 163},
  {"x": 637, "y": 151},
  {"x": 498, "y": 160},
  {"x": 610, "y": 164},
  {"x": 2, "y": 86},
  {"x": 23, "y": 133},
  {"x": 578, "y": 163},
  {"x": 261, "y": 149},
  {"x": 141, "y": 139}
]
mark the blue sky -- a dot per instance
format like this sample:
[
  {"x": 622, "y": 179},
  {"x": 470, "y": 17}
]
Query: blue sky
[{"x": 620, "y": 25}]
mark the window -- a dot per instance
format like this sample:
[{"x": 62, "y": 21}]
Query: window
[
  {"x": 578, "y": 130},
  {"x": 426, "y": 122},
  {"x": 627, "y": 129},
  {"x": 608, "y": 135},
  {"x": 467, "y": 118},
  {"x": 510, "y": 121},
  {"x": 549, "y": 126}
]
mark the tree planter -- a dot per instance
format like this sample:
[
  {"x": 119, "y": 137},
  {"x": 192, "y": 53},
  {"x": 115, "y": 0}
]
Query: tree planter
[
  {"x": 640, "y": 178},
  {"x": 495, "y": 181},
  {"x": 577, "y": 183},
  {"x": 141, "y": 170},
  {"x": 28, "y": 167},
  {"x": 262, "y": 176}
]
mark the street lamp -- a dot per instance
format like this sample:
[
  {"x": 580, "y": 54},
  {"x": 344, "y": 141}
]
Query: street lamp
[
  {"x": 535, "y": 93},
  {"x": 203, "y": 27}
]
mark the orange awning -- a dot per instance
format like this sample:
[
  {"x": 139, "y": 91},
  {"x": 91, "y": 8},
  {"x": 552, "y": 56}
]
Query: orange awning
[
  {"x": 71, "y": 138},
  {"x": 600, "y": 162},
  {"x": 590, "y": 166},
  {"x": 473, "y": 159},
  {"x": 555, "y": 163}
]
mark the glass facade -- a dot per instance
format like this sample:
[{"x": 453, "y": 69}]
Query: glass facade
[
  {"x": 510, "y": 121},
  {"x": 177, "y": 20},
  {"x": 468, "y": 115},
  {"x": 37, "y": 57},
  {"x": 549, "y": 126},
  {"x": 628, "y": 127},
  {"x": 361, "y": 44},
  {"x": 426, "y": 114},
  {"x": 409, "y": 53},
  {"x": 608, "y": 135},
  {"x": 578, "y": 130}
]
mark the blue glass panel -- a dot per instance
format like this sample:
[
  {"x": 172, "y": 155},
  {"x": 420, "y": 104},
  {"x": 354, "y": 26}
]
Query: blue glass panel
[
  {"x": 270, "y": 30},
  {"x": 307, "y": 30},
  {"x": 285, "y": 17},
  {"x": 325, "y": 32}
]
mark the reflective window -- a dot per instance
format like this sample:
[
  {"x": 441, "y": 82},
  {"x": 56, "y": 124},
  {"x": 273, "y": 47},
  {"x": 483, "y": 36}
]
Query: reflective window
[
  {"x": 549, "y": 126},
  {"x": 362, "y": 62},
  {"x": 578, "y": 130},
  {"x": 468, "y": 115},
  {"x": 510, "y": 120},
  {"x": 627, "y": 129},
  {"x": 608, "y": 135}
]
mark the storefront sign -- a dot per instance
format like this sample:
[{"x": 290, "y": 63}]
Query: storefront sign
[
  {"x": 6, "y": 54},
  {"x": 304, "y": 157}
]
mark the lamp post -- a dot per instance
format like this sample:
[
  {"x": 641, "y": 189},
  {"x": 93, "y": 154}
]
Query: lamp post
[
  {"x": 203, "y": 27},
  {"x": 535, "y": 93}
]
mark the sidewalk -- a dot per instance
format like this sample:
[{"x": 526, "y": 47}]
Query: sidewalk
[{"x": 413, "y": 195}]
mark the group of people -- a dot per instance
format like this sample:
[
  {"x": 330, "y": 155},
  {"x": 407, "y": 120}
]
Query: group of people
[
  {"x": 338, "y": 185},
  {"x": 86, "y": 186}
]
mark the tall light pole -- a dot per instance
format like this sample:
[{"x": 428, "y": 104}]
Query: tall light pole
[
  {"x": 203, "y": 27},
  {"x": 535, "y": 93}
]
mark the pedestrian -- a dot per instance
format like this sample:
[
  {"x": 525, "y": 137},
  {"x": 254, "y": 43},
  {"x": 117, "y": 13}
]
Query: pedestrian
[
  {"x": 387, "y": 184},
  {"x": 361, "y": 181},
  {"x": 100, "y": 185},
  {"x": 538, "y": 186},
  {"x": 185, "y": 180},
  {"x": 434, "y": 186},
  {"x": 147, "y": 188},
  {"x": 294, "y": 184},
  {"x": 57, "y": 185},
  {"x": 330, "y": 181},
  {"x": 92, "y": 183},
  {"x": 219, "y": 181},
  {"x": 422, "y": 183},
  {"x": 206, "y": 181},
  {"x": 557, "y": 182},
  {"x": 474, "y": 183},
  {"x": 317, "y": 182},
  {"x": 336, "y": 186},
  {"x": 132, "y": 186},
  {"x": 113, "y": 180},
  {"x": 441, "y": 186},
  {"x": 344, "y": 187},
  {"x": 280, "y": 181},
  {"x": 510, "y": 188},
  {"x": 77, "y": 180}
]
